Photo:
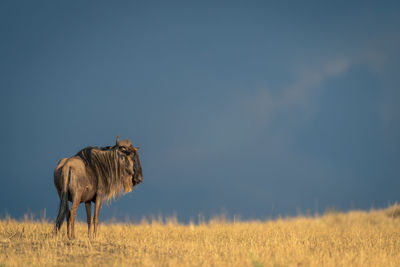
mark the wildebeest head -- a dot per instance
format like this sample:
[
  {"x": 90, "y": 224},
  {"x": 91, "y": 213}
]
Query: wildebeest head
[{"x": 132, "y": 160}]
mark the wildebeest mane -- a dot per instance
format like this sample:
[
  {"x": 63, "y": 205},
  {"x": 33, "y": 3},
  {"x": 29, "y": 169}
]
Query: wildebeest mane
[{"x": 106, "y": 164}]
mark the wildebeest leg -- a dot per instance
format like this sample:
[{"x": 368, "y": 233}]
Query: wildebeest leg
[
  {"x": 68, "y": 221},
  {"x": 88, "y": 206},
  {"x": 74, "y": 207},
  {"x": 97, "y": 207}
]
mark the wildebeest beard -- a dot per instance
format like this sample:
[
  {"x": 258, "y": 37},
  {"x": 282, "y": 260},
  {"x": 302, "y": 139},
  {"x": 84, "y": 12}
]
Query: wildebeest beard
[
  {"x": 108, "y": 165},
  {"x": 137, "y": 176}
]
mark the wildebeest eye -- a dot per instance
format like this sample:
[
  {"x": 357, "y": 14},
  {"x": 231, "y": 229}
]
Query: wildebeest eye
[{"x": 125, "y": 152}]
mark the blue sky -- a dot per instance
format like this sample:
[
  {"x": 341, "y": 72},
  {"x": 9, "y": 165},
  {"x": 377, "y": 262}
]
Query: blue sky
[{"x": 253, "y": 108}]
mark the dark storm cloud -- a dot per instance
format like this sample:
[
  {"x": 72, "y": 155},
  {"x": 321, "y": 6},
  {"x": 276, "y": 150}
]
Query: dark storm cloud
[{"x": 253, "y": 108}]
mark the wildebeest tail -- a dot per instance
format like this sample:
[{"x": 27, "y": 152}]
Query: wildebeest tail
[{"x": 65, "y": 177}]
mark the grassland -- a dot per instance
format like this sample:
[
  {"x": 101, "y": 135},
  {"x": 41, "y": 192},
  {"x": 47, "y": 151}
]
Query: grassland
[{"x": 356, "y": 238}]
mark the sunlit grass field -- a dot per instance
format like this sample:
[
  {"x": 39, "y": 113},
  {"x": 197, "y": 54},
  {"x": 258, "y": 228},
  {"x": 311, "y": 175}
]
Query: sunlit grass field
[{"x": 355, "y": 238}]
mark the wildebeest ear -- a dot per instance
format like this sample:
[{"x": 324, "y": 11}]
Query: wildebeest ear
[{"x": 117, "y": 142}]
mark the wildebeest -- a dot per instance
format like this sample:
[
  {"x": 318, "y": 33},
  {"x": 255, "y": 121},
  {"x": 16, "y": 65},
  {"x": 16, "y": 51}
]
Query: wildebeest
[{"x": 92, "y": 175}]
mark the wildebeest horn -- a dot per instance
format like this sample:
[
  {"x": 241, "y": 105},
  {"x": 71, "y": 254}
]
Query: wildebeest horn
[
  {"x": 126, "y": 143},
  {"x": 117, "y": 143}
]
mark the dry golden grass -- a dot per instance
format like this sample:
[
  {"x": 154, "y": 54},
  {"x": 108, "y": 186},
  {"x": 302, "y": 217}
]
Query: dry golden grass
[{"x": 334, "y": 239}]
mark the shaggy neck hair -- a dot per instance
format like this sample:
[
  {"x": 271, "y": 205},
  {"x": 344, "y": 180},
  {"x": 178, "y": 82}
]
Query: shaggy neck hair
[{"x": 110, "y": 167}]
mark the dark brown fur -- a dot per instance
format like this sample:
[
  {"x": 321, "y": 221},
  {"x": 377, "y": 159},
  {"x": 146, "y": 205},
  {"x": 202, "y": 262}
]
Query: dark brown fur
[{"x": 92, "y": 175}]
